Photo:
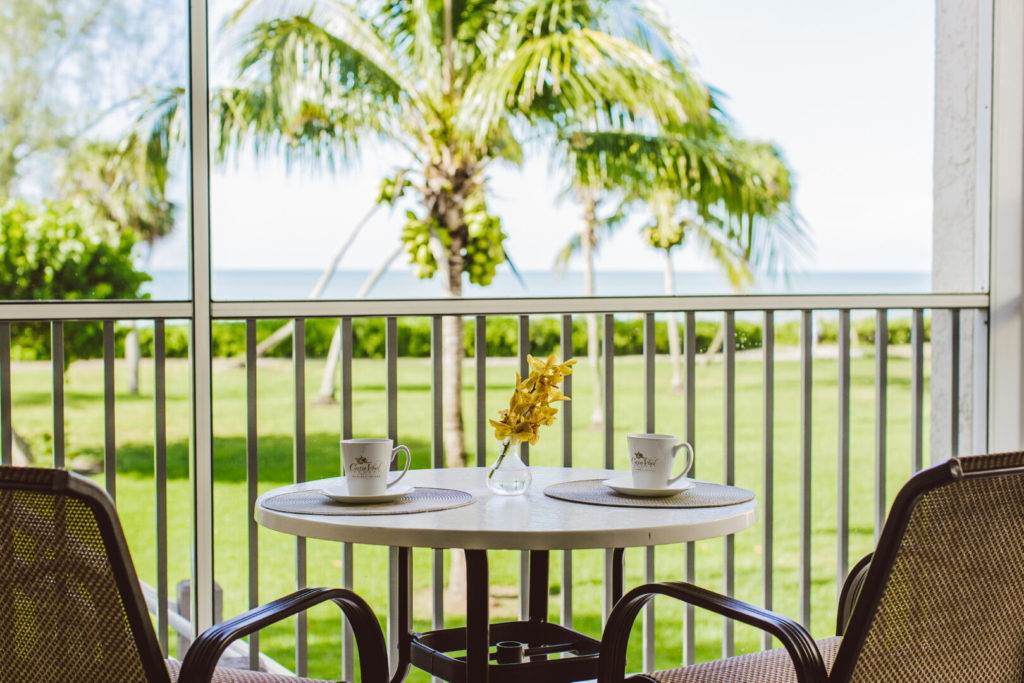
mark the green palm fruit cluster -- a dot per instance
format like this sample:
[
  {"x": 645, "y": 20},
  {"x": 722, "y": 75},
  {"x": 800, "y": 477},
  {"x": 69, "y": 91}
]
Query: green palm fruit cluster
[
  {"x": 416, "y": 238},
  {"x": 483, "y": 251},
  {"x": 484, "y": 243},
  {"x": 666, "y": 236}
]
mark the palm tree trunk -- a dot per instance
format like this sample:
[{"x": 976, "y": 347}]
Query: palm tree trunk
[
  {"x": 451, "y": 384},
  {"x": 132, "y": 356},
  {"x": 587, "y": 240},
  {"x": 132, "y": 352},
  {"x": 673, "y": 327},
  {"x": 326, "y": 394}
]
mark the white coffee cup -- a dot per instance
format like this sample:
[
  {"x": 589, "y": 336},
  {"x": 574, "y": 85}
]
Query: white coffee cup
[
  {"x": 651, "y": 456},
  {"x": 366, "y": 463}
]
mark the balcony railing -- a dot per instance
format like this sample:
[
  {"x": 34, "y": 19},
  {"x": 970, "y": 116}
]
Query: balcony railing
[{"x": 780, "y": 529}]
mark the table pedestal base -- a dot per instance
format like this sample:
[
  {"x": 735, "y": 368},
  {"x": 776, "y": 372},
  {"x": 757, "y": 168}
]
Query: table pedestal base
[
  {"x": 531, "y": 650},
  {"x": 435, "y": 653}
]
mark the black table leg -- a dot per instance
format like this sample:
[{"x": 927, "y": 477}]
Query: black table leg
[
  {"x": 404, "y": 615},
  {"x": 618, "y": 569},
  {"x": 478, "y": 627},
  {"x": 538, "y": 602}
]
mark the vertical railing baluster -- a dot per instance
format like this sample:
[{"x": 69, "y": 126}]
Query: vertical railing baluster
[
  {"x": 806, "y": 402},
  {"x": 299, "y": 464},
  {"x": 523, "y": 350},
  {"x": 843, "y": 465},
  {"x": 729, "y": 422},
  {"x": 391, "y": 385},
  {"x": 394, "y": 622},
  {"x": 480, "y": 357},
  {"x": 881, "y": 413},
  {"x": 346, "y": 379},
  {"x": 437, "y": 458},
  {"x": 768, "y": 474},
  {"x": 524, "y": 556},
  {"x": 650, "y": 351},
  {"x": 609, "y": 440},
  {"x": 689, "y": 628},
  {"x": 567, "y": 351},
  {"x": 159, "y": 471},
  {"x": 954, "y": 382},
  {"x": 348, "y": 661},
  {"x": 917, "y": 392},
  {"x": 109, "y": 438},
  {"x": 252, "y": 482},
  {"x": 609, "y": 390},
  {"x": 6, "y": 430},
  {"x": 57, "y": 369}
]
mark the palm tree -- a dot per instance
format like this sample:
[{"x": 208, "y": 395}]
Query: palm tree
[
  {"x": 696, "y": 183},
  {"x": 458, "y": 87}
]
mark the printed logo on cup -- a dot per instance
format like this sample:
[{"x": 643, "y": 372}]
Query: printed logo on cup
[
  {"x": 362, "y": 468},
  {"x": 642, "y": 463}
]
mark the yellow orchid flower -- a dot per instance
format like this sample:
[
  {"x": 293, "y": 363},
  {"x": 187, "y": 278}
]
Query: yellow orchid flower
[{"x": 530, "y": 407}]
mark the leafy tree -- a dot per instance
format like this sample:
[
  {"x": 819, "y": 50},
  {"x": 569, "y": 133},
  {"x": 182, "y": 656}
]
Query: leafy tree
[
  {"x": 459, "y": 87},
  {"x": 64, "y": 251},
  {"x": 50, "y": 99},
  {"x": 118, "y": 180}
]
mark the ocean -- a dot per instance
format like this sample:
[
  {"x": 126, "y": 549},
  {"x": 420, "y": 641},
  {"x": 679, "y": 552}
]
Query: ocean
[{"x": 231, "y": 285}]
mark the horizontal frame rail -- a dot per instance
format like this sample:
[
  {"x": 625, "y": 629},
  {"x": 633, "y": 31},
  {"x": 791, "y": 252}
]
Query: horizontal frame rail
[
  {"x": 541, "y": 305},
  {"x": 95, "y": 310},
  {"x": 169, "y": 310}
]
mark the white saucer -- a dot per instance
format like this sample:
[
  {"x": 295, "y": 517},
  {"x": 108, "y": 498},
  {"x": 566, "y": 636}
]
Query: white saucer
[
  {"x": 339, "y": 494},
  {"x": 625, "y": 486}
]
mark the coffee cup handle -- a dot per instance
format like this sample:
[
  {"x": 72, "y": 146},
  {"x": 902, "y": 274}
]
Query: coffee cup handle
[
  {"x": 689, "y": 460},
  {"x": 408, "y": 463}
]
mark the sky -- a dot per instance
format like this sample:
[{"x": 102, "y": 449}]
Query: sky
[{"x": 844, "y": 88}]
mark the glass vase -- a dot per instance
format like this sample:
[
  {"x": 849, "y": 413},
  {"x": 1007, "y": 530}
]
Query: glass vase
[{"x": 509, "y": 475}]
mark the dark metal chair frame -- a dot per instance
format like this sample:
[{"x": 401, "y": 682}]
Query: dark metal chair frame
[
  {"x": 202, "y": 657},
  {"x": 861, "y": 594}
]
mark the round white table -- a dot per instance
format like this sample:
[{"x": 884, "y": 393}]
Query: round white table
[{"x": 532, "y": 522}]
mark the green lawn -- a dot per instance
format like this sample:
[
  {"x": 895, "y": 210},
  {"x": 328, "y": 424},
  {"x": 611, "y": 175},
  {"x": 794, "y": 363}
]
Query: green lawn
[{"x": 277, "y": 571}]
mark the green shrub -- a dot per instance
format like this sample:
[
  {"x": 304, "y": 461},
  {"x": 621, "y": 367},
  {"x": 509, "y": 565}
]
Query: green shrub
[
  {"x": 62, "y": 252},
  {"x": 900, "y": 330}
]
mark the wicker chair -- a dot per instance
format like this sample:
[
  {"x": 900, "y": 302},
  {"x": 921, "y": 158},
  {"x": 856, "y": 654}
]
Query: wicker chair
[
  {"x": 940, "y": 601},
  {"x": 71, "y": 608}
]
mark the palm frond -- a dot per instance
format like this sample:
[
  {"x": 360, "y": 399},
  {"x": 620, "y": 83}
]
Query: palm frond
[
  {"x": 308, "y": 94},
  {"x": 413, "y": 28},
  {"x": 342, "y": 21},
  {"x": 564, "y": 255},
  {"x": 163, "y": 124},
  {"x": 572, "y": 77},
  {"x": 695, "y": 166},
  {"x": 724, "y": 251}
]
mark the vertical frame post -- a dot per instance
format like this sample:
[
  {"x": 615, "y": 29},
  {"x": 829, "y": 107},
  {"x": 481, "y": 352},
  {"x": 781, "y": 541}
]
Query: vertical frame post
[
  {"x": 768, "y": 473},
  {"x": 806, "y": 403},
  {"x": 843, "y": 465},
  {"x": 200, "y": 348},
  {"x": 729, "y": 424}
]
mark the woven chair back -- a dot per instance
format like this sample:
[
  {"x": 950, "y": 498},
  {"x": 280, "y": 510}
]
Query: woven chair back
[
  {"x": 70, "y": 604},
  {"x": 944, "y": 597}
]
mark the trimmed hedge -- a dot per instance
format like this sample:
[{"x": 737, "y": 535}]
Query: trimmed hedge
[{"x": 368, "y": 336}]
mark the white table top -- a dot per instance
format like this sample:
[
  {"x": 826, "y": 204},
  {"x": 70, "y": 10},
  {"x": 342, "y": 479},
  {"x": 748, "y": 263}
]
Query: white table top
[{"x": 531, "y": 521}]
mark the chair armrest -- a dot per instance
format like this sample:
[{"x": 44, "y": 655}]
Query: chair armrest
[
  {"x": 851, "y": 591},
  {"x": 810, "y": 667},
  {"x": 202, "y": 657}
]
